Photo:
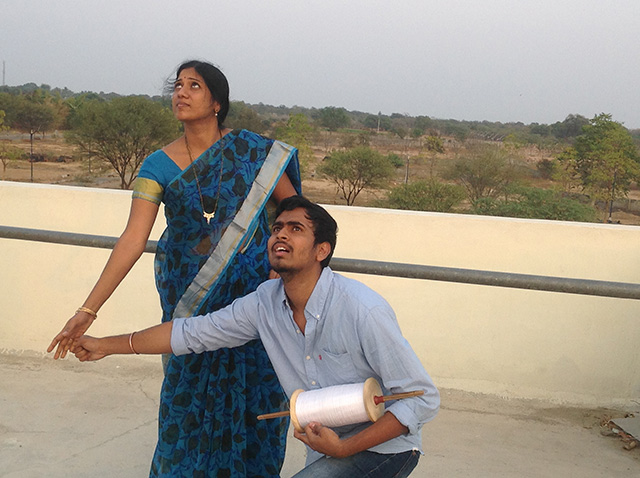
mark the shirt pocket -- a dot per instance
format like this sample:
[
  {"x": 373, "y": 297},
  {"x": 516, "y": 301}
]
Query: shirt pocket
[{"x": 338, "y": 368}]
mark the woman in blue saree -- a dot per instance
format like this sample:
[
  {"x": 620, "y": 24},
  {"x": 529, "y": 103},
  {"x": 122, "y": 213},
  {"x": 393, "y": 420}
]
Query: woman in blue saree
[{"x": 215, "y": 184}]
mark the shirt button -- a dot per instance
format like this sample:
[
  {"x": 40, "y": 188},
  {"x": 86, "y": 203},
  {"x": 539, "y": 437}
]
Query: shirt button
[
  {"x": 308, "y": 358},
  {"x": 297, "y": 331},
  {"x": 317, "y": 316},
  {"x": 313, "y": 382}
]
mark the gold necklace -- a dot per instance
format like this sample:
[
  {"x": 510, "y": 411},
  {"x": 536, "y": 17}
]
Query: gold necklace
[{"x": 207, "y": 215}]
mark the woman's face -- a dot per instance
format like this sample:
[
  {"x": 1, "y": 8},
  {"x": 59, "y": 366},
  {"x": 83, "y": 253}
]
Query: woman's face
[{"x": 191, "y": 98}]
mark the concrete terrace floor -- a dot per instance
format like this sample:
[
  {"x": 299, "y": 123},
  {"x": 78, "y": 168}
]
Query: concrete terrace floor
[{"x": 67, "y": 419}]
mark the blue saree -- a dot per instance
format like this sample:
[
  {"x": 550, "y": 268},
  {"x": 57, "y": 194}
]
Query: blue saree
[{"x": 209, "y": 402}]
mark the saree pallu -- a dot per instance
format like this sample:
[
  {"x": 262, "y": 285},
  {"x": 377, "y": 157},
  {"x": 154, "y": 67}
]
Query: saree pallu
[{"x": 209, "y": 402}]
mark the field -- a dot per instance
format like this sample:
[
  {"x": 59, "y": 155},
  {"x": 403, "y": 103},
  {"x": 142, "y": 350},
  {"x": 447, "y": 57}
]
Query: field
[{"x": 63, "y": 164}]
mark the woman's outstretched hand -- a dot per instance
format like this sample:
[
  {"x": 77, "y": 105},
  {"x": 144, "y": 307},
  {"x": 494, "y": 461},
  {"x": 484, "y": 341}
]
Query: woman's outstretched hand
[{"x": 75, "y": 327}]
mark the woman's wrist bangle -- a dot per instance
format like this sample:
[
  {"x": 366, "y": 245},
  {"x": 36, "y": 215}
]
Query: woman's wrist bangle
[
  {"x": 88, "y": 311},
  {"x": 133, "y": 351}
]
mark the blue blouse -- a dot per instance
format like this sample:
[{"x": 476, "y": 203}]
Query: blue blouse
[{"x": 156, "y": 172}]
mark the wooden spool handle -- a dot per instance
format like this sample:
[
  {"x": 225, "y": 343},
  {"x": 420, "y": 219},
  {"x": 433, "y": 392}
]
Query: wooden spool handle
[
  {"x": 376, "y": 399},
  {"x": 266, "y": 416}
]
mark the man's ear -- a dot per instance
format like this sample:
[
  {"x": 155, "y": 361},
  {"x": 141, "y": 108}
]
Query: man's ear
[{"x": 322, "y": 251}]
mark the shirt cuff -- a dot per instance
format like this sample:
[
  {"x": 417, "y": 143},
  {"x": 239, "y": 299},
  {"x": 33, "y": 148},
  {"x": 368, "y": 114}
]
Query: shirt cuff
[
  {"x": 178, "y": 343},
  {"x": 406, "y": 416}
]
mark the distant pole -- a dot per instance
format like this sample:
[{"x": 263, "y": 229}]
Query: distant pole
[
  {"x": 613, "y": 196},
  {"x": 406, "y": 172},
  {"x": 3, "y": 71},
  {"x": 31, "y": 132}
]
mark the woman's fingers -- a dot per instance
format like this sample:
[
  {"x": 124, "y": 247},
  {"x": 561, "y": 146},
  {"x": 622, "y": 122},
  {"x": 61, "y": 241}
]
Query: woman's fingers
[
  {"x": 74, "y": 328},
  {"x": 60, "y": 353}
]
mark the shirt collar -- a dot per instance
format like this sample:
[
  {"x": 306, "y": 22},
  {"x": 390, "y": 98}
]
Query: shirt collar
[{"x": 318, "y": 298}]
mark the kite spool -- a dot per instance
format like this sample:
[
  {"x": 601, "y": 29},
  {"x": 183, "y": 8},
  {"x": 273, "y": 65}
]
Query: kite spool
[{"x": 338, "y": 405}]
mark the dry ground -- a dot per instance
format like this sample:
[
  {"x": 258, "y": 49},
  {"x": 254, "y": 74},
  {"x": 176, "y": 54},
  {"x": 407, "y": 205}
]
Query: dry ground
[{"x": 68, "y": 419}]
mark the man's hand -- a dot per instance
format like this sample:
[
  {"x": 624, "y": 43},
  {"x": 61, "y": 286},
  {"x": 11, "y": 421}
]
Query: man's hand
[
  {"x": 322, "y": 439},
  {"x": 326, "y": 441},
  {"x": 87, "y": 349}
]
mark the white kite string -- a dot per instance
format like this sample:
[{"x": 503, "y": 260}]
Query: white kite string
[{"x": 332, "y": 406}]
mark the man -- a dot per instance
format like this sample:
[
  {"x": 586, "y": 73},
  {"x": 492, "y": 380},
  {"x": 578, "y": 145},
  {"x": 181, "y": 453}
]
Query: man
[{"x": 319, "y": 329}]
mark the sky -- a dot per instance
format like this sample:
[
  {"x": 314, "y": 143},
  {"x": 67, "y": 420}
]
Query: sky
[{"x": 495, "y": 60}]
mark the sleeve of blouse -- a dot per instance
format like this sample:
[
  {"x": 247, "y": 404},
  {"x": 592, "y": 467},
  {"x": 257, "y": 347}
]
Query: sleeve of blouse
[
  {"x": 147, "y": 189},
  {"x": 148, "y": 184}
]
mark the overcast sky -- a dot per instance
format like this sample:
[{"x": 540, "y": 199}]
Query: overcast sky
[{"x": 496, "y": 60}]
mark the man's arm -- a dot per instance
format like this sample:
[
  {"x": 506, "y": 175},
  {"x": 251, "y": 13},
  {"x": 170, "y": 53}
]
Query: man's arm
[
  {"x": 400, "y": 370},
  {"x": 228, "y": 327},
  {"x": 324, "y": 440},
  {"x": 154, "y": 340}
]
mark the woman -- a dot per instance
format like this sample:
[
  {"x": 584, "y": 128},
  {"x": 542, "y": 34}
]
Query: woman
[{"x": 215, "y": 184}]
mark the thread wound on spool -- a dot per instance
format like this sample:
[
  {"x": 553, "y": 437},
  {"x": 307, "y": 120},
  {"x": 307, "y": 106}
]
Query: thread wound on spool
[{"x": 336, "y": 406}]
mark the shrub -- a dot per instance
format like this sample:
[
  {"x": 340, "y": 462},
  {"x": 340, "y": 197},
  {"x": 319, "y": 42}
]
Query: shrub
[
  {"x": 430, "y": 195},
  {"x": 536, "y": 203}
]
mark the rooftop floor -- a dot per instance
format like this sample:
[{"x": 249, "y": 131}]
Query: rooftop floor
[{"x": 67, "y": 419}]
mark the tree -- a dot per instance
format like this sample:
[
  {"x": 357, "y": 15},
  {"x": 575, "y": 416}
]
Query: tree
[
  {"x": 356, "y": 169},
  {"x": 420, "y": 125},
  {"x": 430, "y": 195},
  {"x": 606, "y": 159},
  {"x": 395, "y": 160},
  {"x": 7, "y": 105},
  {"x": 7, "y": 154},
  {"x": 32, "y": 117},
  {"x": 123, "y": 132},
  {"x": 400, "y": 131},
  {"x": 59, "y": 108},
  {"x": 485, "y": 171},
  {"x": 333, "y": 118},
  {"x": 242, "y": 116},
  {"x": 570, "y": 127},
  {"x": 564, "y": 171},
  {"x": 297, "y": 132},
  {"x": 384, "y": 122},
  {"x": 458, "y": 130},
  {"x": 434, "y": 144},
  {"x": 540, "y": 129},
  {"x": 370, "y": 122}
]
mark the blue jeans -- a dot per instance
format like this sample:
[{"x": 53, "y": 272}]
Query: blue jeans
[{"x": 366, "y": 464}]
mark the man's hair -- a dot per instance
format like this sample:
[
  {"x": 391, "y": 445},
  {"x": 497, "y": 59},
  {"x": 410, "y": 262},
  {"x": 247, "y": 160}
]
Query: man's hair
[{"x": 325, "y": 228}]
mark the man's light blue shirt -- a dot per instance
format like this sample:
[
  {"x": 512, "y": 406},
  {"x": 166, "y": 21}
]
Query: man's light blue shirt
[{"x": 351, "y": 334}]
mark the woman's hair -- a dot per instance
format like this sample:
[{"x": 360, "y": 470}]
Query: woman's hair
[{"x": 216, "y": 83}]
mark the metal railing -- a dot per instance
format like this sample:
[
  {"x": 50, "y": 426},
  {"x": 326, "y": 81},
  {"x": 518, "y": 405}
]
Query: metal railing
[{"x": 622, "y": 290}]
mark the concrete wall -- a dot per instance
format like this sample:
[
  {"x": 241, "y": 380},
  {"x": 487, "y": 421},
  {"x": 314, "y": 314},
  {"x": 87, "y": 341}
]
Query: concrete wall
[{"x": 570, "y": 349}]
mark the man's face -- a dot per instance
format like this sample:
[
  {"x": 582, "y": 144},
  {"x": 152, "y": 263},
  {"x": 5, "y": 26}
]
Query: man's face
[{"x": 291, "y": 246}]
